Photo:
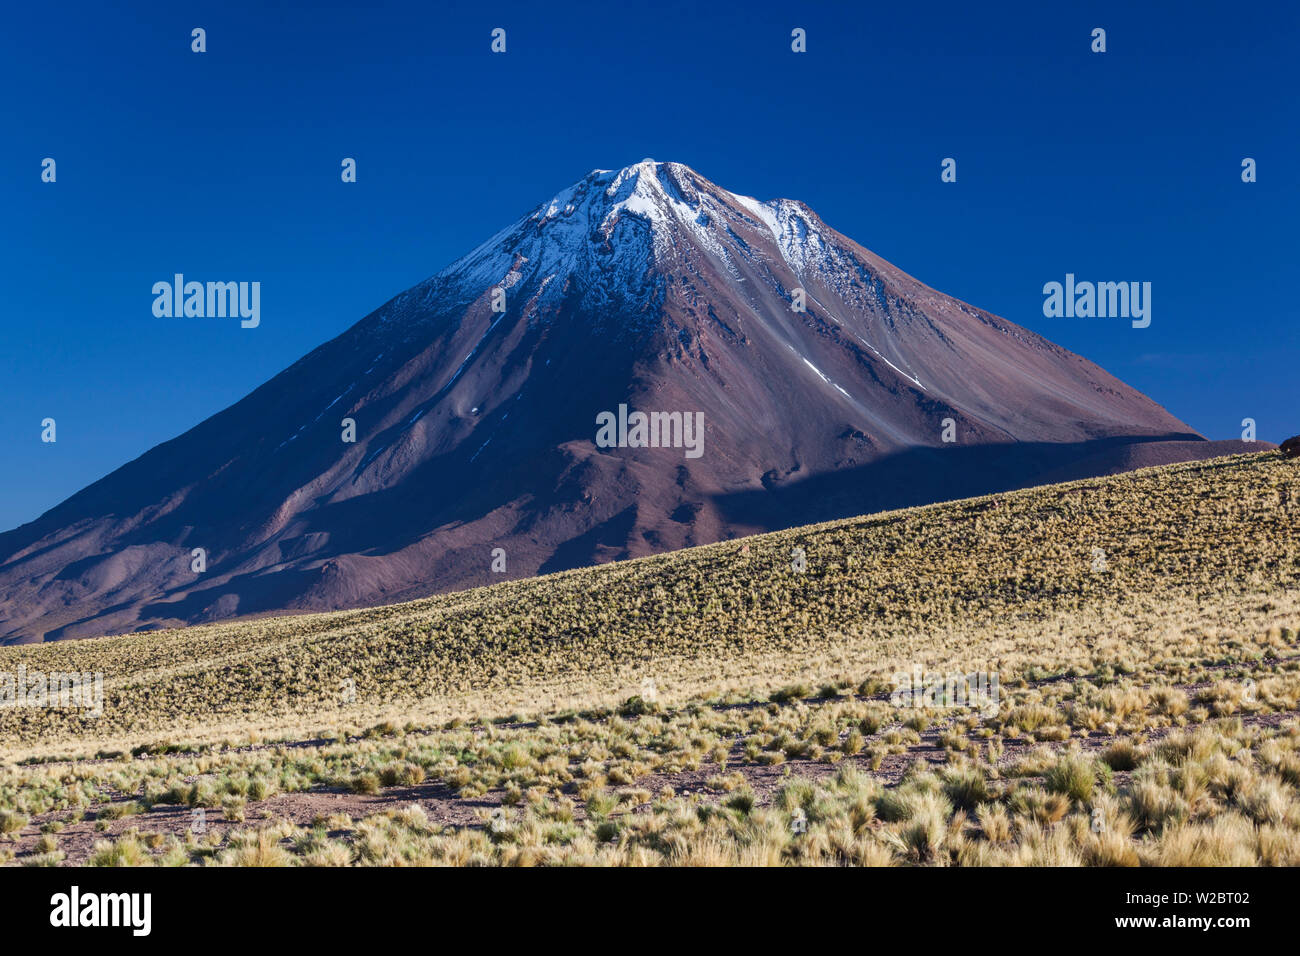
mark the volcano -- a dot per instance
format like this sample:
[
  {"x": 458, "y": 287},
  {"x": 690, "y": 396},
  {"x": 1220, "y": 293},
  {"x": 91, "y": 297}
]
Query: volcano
[{"x": 825, "y": 382}]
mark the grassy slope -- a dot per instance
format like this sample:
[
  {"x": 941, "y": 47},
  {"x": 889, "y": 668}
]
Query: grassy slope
[
  {"x": 1197, "y": 555},
  {"x": 1148, "y": 715}
]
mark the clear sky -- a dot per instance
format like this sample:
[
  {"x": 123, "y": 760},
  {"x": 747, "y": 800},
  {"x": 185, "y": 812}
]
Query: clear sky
[{"x": 225, "y": 166}]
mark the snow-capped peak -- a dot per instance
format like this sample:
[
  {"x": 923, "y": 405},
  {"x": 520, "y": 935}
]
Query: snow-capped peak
[{"x": 611, "y": 227}]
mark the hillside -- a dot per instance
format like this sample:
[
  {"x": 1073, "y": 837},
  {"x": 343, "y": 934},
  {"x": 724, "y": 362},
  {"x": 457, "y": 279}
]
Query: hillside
[
  {"x": 1154, "y": 686},
  {"x": 967, "y": 583}
]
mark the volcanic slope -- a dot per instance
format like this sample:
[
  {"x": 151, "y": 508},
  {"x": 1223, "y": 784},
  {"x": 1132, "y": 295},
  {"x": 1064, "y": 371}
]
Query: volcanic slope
[{"x": 648, "y": 287}]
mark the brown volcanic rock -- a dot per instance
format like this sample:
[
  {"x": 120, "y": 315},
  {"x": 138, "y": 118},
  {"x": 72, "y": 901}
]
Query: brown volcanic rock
[
  {"x": 1291, "y": 447},
  {"x": 650, "y": 287}
]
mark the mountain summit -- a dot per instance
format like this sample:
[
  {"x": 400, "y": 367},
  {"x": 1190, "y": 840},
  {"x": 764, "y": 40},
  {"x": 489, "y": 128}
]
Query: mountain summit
[{"x": 824, "y": 381}]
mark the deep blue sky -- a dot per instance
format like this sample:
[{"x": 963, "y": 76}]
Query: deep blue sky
[{"x": 225, "y": 165}]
